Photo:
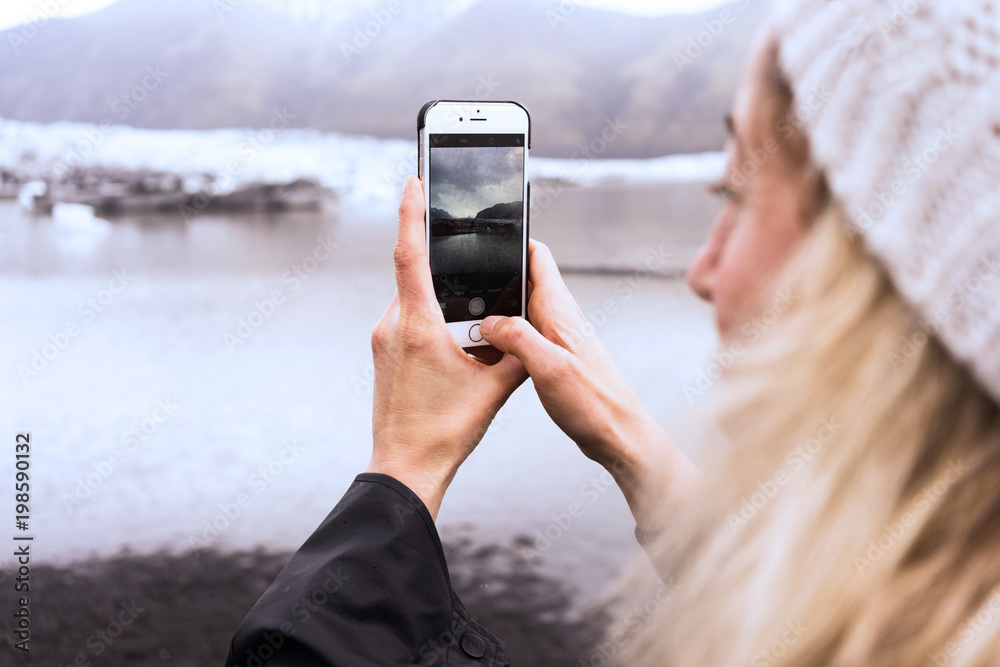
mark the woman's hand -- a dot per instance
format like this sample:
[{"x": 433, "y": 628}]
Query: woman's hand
[
  {"x": 585, "y": 394},
  {"x": 433, "y": 402}
]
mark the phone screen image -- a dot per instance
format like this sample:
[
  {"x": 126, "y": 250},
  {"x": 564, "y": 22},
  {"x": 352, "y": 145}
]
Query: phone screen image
[{"x": 476, "y": 191}]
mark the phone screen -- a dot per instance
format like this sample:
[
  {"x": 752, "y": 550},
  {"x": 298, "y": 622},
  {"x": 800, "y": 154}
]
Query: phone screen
[{"x": 476, "y": 223}]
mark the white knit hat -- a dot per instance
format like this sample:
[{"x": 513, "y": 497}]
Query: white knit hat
[{"x": 901, "y": 103}]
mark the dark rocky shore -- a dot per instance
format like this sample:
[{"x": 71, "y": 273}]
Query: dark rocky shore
[
  {"x": 192, "y": 603},
  {"x": 112, "y": 191}
]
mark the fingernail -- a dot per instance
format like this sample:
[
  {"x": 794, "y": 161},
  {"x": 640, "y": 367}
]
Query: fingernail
[
  {"x": 407, "y": 183},
  {"x": 487, "y": 326}
]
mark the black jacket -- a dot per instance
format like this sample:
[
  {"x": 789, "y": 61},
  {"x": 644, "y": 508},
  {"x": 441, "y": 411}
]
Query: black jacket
[{"x": 369, "y": 588}]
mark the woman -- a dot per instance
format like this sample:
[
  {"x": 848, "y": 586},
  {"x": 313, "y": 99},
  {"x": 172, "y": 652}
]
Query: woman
[{"x": 849, "y": 513}]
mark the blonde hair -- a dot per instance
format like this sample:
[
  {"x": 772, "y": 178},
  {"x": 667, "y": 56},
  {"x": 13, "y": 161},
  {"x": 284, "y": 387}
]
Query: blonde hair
[{"x": 853, "y": 516}]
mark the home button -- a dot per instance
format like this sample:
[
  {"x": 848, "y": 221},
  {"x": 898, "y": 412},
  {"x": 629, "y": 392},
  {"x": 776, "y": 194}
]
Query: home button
[{"x": 475, "y": 335}]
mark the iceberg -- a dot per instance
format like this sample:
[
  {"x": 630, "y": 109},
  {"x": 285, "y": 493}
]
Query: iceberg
[{"x": 359, "y": 170}]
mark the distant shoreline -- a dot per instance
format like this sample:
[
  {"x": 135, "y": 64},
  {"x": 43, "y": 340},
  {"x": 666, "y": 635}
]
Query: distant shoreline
[
  {"x": 361, "y": 170},
  {"x": 668, "y": 274},
  {"x": 456, "y": 226}
]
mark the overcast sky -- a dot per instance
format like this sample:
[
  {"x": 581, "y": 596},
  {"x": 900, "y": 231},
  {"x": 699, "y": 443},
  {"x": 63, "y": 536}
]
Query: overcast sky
[
  {"x": 14, "y": 12},
  {"x": 464, "y": 181}
]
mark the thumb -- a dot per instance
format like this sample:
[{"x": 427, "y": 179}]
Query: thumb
[
  {"x": 515, "y": 336},
  {"x": 509, "y": 373}
]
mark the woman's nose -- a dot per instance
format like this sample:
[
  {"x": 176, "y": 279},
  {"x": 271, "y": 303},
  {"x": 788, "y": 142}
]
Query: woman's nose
[{"x": 700, "y": 273}]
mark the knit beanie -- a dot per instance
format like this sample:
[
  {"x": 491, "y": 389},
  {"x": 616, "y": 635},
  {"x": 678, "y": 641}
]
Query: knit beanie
[{"x": 900, "y": 100}]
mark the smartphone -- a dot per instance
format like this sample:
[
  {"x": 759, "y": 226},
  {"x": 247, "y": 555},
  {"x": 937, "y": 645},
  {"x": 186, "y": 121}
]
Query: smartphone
[{"x": 473, "y": 159}]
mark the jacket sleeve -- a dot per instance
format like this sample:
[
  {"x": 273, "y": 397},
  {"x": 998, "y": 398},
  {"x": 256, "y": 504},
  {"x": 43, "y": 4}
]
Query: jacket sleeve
[{"x": 369, "y": 587}]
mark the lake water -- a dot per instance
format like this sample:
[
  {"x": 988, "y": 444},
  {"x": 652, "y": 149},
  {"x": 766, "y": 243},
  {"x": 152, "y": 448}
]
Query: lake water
[
  {"x": 496, "y": 250},
  {"x": 218, "y": 371}
]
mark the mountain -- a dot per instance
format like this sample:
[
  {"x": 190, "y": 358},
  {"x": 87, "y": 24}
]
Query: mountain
[
  {"x": 187, "y": 64},
  {"x": 439, "y": 214},
  {"x": 512, "y": 211}
]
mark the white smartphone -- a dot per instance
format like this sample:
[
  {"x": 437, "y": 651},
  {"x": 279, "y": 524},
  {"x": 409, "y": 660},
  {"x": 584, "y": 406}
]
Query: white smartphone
[{"x": 473, "y": 159}]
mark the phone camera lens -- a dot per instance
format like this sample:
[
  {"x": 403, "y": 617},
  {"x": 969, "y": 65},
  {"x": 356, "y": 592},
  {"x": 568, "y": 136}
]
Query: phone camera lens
[{"x": 460, "y": 119}]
